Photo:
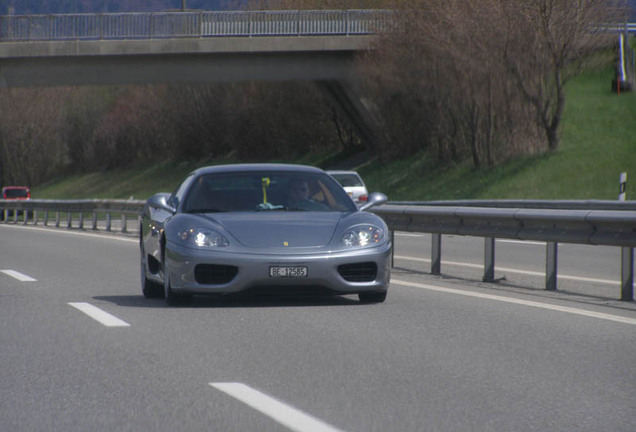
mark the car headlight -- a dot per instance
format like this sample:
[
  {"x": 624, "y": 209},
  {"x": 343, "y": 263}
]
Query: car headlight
[
  {"x": 362, "y": 235},
  {"x": 202, "y": 237}
]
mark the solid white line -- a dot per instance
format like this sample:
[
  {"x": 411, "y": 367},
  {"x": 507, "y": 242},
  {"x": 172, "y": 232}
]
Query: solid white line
[
  {"x": 282, "y": 413},
  {"x": 19, "y": 276},
  {"x": 511, "y": 270},
  {"x": 73, "y": 231},
  {"x": 566, "y": 309},
  {"x": 99, "y": 315},
  {"x": 522, "y": 242}
]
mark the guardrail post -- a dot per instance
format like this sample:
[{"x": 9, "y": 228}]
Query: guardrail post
[
  {"x": 124, "y": 223},
  {"x": 94, "y": 221},
  {"x": 81, "y": 220},
  {"x": 392, "y": 247},
  {"x": 57, "y": 219},
  {"x": 46, "y": 217},
  {"x": 35, "y": 217},
  {"x": 627, "y": 274},
  {"x": 551, "y": 254},
  {"x": 489, "y": 259},
  {"x": 107, "y": 221},
  {"x": 69, "y": 220},
  {"x": 436, "y": 254}
]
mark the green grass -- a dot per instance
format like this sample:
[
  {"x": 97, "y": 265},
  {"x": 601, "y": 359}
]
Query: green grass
[{"x": 598, "y": 142}]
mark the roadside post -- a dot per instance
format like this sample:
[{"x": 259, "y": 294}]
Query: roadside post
[{"x": 627, "y": 253}]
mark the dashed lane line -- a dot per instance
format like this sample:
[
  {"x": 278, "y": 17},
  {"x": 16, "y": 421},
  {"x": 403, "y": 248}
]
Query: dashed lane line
[
  {"x": 99, "y": 315},
  {"x": 284, "y": 414},
  {"x": 19, "y": 276}
]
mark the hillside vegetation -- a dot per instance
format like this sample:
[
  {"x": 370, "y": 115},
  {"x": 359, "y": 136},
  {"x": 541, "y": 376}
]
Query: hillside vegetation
[{"x": 598, "y": 143}]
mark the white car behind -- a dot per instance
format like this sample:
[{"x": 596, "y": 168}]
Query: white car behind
[{"x": 352, "y": 183}]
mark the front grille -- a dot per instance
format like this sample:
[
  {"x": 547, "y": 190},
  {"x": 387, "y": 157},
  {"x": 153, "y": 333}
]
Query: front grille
[
  {"x": 213, "y": 274},
  {"x": 359, "y": 272}
]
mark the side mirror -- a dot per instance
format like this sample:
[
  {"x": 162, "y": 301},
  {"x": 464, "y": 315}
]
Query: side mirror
[
  {"x": 375, "y": 199},
  {"x": 160, "y": 201}
]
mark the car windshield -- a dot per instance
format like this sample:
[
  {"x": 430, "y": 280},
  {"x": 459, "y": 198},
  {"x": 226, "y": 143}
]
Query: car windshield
[
  {"x": 348, "y": 180},
  {"x": 266, "y": 191}
]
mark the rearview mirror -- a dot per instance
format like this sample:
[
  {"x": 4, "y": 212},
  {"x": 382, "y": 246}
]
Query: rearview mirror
[
  {"x": 375, "y": 199},
  {"x": 160, "y": 201}
]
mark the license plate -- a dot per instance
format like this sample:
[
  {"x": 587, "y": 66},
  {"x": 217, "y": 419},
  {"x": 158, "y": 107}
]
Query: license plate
[{"x": 288, "y": 272}]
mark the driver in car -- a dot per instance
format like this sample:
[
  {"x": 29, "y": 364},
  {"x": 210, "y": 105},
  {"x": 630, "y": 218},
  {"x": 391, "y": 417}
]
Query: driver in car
[{"x": 298, "y": 196}]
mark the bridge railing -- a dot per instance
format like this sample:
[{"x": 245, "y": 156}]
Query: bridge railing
[
  {"x": 605, "y": 223},
  {"x": 157, "y": 25}
]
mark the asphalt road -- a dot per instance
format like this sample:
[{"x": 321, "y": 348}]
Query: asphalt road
[{"x": 82, "y": 350}]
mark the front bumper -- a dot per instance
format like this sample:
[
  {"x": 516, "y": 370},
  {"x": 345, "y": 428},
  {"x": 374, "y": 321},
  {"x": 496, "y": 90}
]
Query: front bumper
[{"x": 254, "y": 270}]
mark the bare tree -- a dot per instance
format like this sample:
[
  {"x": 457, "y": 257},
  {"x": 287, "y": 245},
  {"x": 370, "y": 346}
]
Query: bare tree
[
  {"x": 32, "y": 148},
  {"x": 546, "y": 42},
  {"x": 482, "y": 79}
]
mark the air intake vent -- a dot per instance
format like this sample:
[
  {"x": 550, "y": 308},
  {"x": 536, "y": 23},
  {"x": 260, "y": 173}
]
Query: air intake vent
[
  {"x": 360, "y": 272},
  {"x": 212, "y": 274}
]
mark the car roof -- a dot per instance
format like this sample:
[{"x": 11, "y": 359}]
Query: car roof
[
  {"x": 15, "y": 187},
  {"x": 256, "y": 167}
]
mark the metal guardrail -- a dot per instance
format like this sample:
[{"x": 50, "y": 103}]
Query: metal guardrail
[
  {"x": 561, "y": 223},
  {"x": 529, "y": 203},
  {"x": 101, "y": 214},
  {"x": 157, "y": 25},
  {"x": 606, "y": 223}
]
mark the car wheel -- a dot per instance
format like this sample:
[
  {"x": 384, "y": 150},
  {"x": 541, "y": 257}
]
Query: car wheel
[
  {"x": 372, "y": 296},
  {"x": 149, "y": 288}
]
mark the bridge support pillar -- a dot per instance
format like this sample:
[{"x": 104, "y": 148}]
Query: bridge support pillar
[{"x": 351, "y": 104}]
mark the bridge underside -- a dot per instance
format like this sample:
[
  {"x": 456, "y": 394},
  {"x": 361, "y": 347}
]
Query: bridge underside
[
  {"x": 329, "y": 61},
  {"x": 173, "y": 68}
]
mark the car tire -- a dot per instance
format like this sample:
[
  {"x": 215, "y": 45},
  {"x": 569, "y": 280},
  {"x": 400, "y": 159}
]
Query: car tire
[
  {"x": 372, "y": 296},
  {"x": 150, "y": 289}
]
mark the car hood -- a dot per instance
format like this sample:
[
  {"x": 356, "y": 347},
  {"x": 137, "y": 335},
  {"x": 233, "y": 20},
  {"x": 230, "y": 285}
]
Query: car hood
[{"x": 280, "y": 229}]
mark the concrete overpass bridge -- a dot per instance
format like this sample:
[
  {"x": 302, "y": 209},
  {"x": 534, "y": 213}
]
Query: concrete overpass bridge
[{"x": 194, "y": 47}]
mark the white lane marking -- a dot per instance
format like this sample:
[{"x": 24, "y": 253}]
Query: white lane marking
[
  {"x": 19, "y": 276},
  {"x": 284, "y": 414},
  {"x": 521, "y": 242},
  {"x": 511, "y": 270},
  {"x": 566, "y": 309},
  {"x": 73, "y": 231},
  {"x": 99, "y": 315}
]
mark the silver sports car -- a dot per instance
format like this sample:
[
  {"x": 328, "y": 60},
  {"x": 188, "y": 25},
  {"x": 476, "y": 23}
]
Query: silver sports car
[{"x": 262, "y": 227}]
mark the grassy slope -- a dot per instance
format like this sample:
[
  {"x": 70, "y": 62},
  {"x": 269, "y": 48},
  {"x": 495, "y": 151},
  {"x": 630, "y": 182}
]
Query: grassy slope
[{"x": 598, "y": 143}]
